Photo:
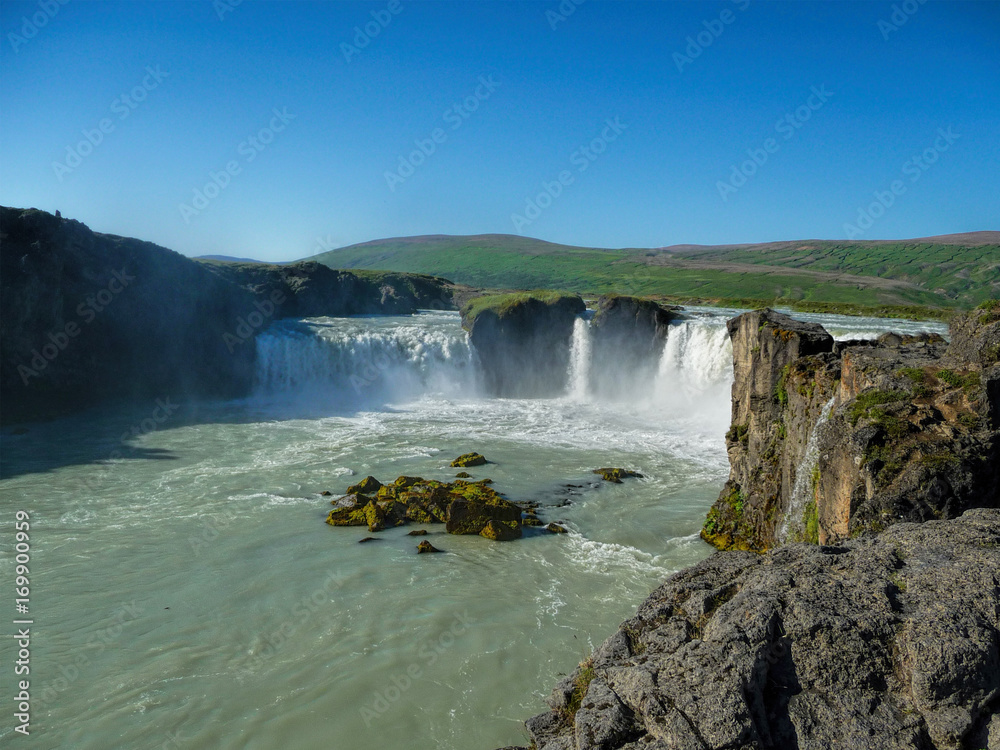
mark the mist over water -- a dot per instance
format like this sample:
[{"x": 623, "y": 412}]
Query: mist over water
[{"x": 192, "y": 588}]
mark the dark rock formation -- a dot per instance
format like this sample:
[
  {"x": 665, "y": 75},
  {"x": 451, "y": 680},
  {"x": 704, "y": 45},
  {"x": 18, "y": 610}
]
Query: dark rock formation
[
  {"x": 88, "y": 317},
  {"x": 912, "y": 432},
  {"x": 891, "y": 641},
  {"x": 522, "y": 341},
  {"x": 469, "y": 459},
  {"x": 627, "y": 334},
  {"x": 425, "y": 547},
  {"x": 464, "y": 507},
  {"x": 310, "y": 289},
  {"x": 616, "y": 475}
]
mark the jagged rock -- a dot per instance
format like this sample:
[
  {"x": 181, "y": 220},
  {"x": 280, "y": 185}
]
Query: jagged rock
[
  {"x": 469, "y": 459},
  {"x": 912, "y": 432},
  {"x": 367, "y": 486},
  {"x": 616, "y": 475},
  {"x": 465, "y": 507},
  {"x": 500, "y": 531},
  {"x": 473, "y": 515},
  {"x": 886, "y": 642},
  {"x": 463, "y": 475},
  {"x": 326, "y": 493},
  {"x": 425, "y": 547},
  {"x": 522, "y": 340},
  {"x": 555, "y": 528}
]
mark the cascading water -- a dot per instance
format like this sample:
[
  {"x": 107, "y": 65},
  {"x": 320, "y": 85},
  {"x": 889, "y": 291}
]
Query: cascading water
[
  {"x": 803, "y": 488},
  {"x": 579, "y": 360},
  {"x": 696, "y": 369},
  {"x": 359, "y": 358}
]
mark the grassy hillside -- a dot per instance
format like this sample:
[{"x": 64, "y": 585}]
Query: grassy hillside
[{"x": 944, "y": 273}]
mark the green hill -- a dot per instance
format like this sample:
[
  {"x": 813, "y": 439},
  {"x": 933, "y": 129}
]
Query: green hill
[{"x": 954, "y": 271}]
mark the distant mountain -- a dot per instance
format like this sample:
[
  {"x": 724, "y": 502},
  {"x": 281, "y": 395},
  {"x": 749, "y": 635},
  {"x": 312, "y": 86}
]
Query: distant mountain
[
  {"x": 230, "y": 259},
  {"x": 956, "y": 270}
]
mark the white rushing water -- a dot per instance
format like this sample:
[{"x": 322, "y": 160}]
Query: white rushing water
[
  {"x": 579, "y": 360},
  {"x": 802, "y": 490},
  {"x": 186, "y": 588}
]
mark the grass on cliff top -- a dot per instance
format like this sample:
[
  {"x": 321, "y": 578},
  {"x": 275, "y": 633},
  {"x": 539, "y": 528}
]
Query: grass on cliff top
[{"x": 501, "y": 304}]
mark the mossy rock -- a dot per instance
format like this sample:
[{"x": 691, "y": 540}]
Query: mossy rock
[
  {"x": 352, "y": 500},
  {"x": 463, "y": 475},
  {"x": 555, "y": 528},
  {"x": 406, "y": 482},
  {"x": 417, "y": 532},
  {"x": 470, "y": 516},
  {"x": 367, "y": 486},
  {"x": 469, "y": 459},
  {"x": 616, "y": 475},
  {"x": 532, "y": 521},
  {"x": 501, "y": 531},
  {"x": 426, "y": 547}
]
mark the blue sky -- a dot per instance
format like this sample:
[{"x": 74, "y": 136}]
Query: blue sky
[{"x": 735, "y": 121}]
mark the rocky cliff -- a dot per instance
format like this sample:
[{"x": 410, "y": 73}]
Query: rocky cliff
[
  {"x": 310, "y": 289},
  {"x": 890, "y": 641},
  {"x": 86, "y": 317},
  {"x": 523, "y": 341},
  {"x": 829, "y": 441},
  {"x": 627, "y": 335}
]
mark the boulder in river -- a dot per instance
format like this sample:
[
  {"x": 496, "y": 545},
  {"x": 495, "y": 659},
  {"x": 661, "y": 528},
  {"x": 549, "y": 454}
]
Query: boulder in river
[
  {"x": 616, "y": 475},
  {"x": 469, "y": 459},
  {"x": 425, "y": 547}
]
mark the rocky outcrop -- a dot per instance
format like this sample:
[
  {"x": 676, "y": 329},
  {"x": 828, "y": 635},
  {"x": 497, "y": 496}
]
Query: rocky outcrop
[
  {"x": 86, "y": 317},
  {"x": 310, "y": 289},
  {"x": 523, "y": 341},
  {"x": 891, "y": 641},
  {"x": 829, "y": 441},
  {"x": 464, "y": 507},
  {"x": 627, "y": 335}
]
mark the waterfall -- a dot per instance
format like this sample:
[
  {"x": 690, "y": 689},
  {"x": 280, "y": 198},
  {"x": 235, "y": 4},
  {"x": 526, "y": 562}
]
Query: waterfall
[
  {"x": 695, "y": 372},
  {"x": 364, "y": 358},
  {"x": 579, "y": 360},
  {"x": 803, "y": 490}
]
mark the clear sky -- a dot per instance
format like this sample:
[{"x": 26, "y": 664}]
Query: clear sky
[{"x": 624, "y": 123}]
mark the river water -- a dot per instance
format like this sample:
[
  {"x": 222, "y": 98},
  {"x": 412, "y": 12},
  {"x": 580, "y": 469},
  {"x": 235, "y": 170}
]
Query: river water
[{"x": 185, "y": 592}]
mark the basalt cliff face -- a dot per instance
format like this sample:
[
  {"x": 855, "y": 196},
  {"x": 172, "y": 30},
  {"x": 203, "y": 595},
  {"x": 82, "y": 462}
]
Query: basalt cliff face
[
  {"x": 628, "y": 335},
  {"x": 88, "y": 317},
  {"x": 523, "y": 341},
  {"x": 830, "y": 441}
]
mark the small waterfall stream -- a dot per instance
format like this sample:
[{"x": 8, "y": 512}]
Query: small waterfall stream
[{"x": 803, "y": 489}]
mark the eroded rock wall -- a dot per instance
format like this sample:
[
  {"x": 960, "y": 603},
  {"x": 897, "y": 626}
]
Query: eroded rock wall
[{"x": 912, "y": 433}]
